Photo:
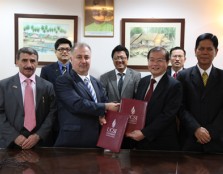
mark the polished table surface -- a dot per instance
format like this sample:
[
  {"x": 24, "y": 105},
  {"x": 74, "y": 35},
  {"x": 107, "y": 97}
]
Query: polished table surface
[{"x": 98, "y": 161}]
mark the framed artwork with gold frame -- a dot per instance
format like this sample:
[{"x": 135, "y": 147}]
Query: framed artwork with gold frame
[{"x": 99, "y": 18}]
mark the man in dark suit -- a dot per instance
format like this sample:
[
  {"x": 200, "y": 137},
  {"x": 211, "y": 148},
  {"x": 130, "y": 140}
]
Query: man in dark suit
[
  {"x": 130, "y": 77},
  {"x": 201, "y": 116},
  {"x": 14, "y": 130},
  {"x": 164, "y": 95},
  {"x": 81, "y": 101},
  {"x": 52, "y": 71},
  {"x": 177, "y": 60}
]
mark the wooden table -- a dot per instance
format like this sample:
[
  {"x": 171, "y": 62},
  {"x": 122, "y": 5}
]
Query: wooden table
[{"x": 96, "y": 161}]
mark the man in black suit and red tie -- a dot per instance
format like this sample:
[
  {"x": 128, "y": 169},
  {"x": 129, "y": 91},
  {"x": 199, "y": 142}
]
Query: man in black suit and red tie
[
  {"x": 201, "y": 116},
  {"x": 177, "y": 60},
  {"x": 160, "y": 131}
]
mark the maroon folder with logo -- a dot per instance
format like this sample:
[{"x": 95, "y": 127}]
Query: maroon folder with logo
[
  {"x": 112, "y": 132},
  {"x": 136, "y": 110}
]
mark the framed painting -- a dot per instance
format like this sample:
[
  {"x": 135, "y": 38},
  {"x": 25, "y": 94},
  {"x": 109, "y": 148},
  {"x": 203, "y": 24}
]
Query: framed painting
[
  {"x": 140, "y": 35},
  {"x": 99, "y": 18},
  {"x": 41, "y": 32}
]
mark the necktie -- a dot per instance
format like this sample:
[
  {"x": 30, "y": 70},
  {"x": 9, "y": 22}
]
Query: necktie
[
  {"x": 91, "y": 89},
  {"x": 120, "y": 83},
  {"x": 150, "y": 91},
  {"x": 205, "y": 78},
  {"x": 29, "y": 107},
  {"x": 64, "y": 69},
  {"x": 175, "y": 75}
]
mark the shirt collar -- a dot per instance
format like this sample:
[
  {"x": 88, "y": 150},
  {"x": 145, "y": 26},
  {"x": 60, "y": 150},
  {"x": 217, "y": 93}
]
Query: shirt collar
[
  {"x": 207, "y": 71},
  {"x": 124, "y": 72},
  {"x": 157, "y": 78},
  {"x": 23, "y": 78}
]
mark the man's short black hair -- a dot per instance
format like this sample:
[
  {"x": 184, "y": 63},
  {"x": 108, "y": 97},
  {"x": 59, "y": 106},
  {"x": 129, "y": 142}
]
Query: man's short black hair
[
  {"x": 62, "y": 41},
  {"x": 120, "y": 48}
]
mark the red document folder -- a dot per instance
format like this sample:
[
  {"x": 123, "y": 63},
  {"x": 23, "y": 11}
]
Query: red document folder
[
  {"x": 136, "y": 110},
  {"x": 112, "y": 132}
]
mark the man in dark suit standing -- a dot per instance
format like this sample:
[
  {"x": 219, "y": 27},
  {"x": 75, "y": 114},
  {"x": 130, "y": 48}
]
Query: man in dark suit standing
[
  {"x": 52, "y": 71},
  {"x": 112, "y": 79},
  {"x": 177, "y": 60},
  {"x": 81, "y": 101},
  {"x": 201, "y": 116},
  {"x": 17, "y": 128},
  {"x": 164, "y": 95}
]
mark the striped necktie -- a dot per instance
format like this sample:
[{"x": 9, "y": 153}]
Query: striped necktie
[{"x": 91, "y": 89}]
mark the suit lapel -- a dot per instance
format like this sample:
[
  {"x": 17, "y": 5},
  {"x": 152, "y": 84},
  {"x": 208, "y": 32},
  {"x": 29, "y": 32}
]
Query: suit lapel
[
  {"x": 196, "y": 77},
  {"x": 81, "y": 85},
  {"x": 39, "y": 92},
  {"x": 212, "y": 81},
  {"x": 126, "y": 79},
  {"x": 113, "y": 80},
  {"x": 16, "y": 90},
  {"x": 57, "y": 69}
]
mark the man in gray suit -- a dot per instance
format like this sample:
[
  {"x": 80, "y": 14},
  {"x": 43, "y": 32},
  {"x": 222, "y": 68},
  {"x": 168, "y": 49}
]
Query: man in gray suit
[
  {"x": 121, "y": 82},
  {"x": 15, "y": 131}
]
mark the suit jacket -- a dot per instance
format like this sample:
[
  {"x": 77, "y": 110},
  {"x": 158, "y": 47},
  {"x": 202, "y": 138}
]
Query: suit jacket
[
  {"x": 51, "y": 72},
  {"x": 160, "y": 130},
  {"x": 78, "y": 114},
  {"x": 12, "y": 110},
  {"x": 202, "y": 106},
  {"x": 109, "y": 82}
]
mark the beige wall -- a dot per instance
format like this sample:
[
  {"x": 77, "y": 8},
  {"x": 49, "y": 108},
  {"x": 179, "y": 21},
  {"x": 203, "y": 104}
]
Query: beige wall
[{"x": 200, "y": 16}]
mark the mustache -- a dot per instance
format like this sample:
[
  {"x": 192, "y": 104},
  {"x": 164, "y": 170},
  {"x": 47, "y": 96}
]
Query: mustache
[{"x": 28, "y": 68}]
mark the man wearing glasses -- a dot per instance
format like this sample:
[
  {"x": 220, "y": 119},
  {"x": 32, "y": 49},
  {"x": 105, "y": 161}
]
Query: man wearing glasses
[
  {"x": 163, "y": 94},
  {"x": 63, "y": 65},
  {"x": 52, "y": 71},
  {"x": 121, "y": 82}
]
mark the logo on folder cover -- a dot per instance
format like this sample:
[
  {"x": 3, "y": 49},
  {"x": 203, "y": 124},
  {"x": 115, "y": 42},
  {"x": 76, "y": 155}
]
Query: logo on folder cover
[
  {"x": 132, "y": 117},
  {"x": 111, "y": 131}
]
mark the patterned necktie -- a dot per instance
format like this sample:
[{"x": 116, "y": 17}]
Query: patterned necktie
[
  {"x": 120, "y": 83},
  {"x": 64, "y": 69},
  {"x": 150, "y": 91},
  {"x": 29, "y": 107},
  {"x": 91, "y": 89},
  {"x": 205, "y": 78}
]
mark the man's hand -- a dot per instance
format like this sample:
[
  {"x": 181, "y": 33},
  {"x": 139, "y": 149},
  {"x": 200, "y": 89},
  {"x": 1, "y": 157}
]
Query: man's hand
[
  {"x": 102, "y": 120},
  {"x": 202, "y": 135},
  {"x": 20, "y": 140},
  {"x": 31, "y": 141},
  {"x": 136, "y": 135},
  {"x": 112, "y": 106}
]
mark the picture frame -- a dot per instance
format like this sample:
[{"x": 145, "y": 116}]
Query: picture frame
[
  {"x": 99, "y": 18},
  {"x": 140, "y": 35},
  {"x": 41, "y": 32}
]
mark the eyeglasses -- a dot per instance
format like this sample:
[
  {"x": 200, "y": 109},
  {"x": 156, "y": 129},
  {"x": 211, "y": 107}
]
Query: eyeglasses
[
  {"x": 64, "y": 49},
  {"x": 120, "y": 58},
  {"x": 160, "y": 60}
]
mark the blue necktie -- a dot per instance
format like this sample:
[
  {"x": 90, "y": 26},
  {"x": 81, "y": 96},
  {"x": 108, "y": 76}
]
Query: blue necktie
[{"x": 91, "y": 89}]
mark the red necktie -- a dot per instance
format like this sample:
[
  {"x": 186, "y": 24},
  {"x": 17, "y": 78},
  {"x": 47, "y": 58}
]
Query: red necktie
[
  {"x": 175, "y": 75},
  {"x": 29, "y": 107},
  {"x": 150, "y": 91}
]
